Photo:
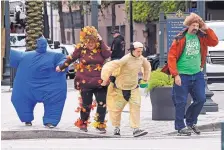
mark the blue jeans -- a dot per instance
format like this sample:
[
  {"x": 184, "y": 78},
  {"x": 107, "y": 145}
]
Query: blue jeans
[{"x": 195, "y": 85}]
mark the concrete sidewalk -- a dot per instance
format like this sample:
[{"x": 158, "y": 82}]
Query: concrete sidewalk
[{"x": 12, "y": 128}]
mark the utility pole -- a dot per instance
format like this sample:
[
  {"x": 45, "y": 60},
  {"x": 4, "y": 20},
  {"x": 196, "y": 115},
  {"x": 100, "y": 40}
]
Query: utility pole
[
  {"x": 131, "y": 21},
  {"x": 52, "y": 27},
  {"x": 222, "y": 134},
  {"x": 210, "y": 105},
  {"x": 46, "y": 24},
  {"x": 73, "y": 24}
]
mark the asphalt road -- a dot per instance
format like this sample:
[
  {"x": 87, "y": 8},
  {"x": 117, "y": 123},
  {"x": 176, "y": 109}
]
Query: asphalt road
[{"x": 206, "y": 141}]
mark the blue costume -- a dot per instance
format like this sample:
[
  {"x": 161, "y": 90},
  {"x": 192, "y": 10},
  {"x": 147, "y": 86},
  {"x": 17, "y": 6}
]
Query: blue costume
[{"x": 37, "y": 81}]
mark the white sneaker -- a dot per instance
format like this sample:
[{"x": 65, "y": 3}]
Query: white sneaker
[
  {"x": 138, "y": 132},
  {"x": 49, "y": 125},
  {"x": 28, "y": 123}
]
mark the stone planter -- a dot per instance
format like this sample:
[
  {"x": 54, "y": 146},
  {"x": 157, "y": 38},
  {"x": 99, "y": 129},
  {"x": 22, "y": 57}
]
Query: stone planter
[{"x": 162, "y": 103}]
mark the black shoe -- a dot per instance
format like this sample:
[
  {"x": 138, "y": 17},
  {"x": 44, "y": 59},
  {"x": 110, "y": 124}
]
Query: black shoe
[
  {"x": 28, "y": 123},
  {"x": 195, "y": 129},
  {"x": 184, "y": 132},
  {"x": 101, "y": 130},
  {"x": 138, "y": 132},
  {"x": 117, "y": 131},
  {"x": 49, "y": 125},
  {"x": 83, "y": 128}
]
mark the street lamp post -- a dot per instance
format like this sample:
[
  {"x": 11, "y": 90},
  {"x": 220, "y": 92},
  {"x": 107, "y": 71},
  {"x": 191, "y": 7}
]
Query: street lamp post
[
  {"x": 6, "y": 74},
  {"x": 162, "y": 22},
  {"x": 210, "y": 105},
  {"x": 94, "y": 13}
]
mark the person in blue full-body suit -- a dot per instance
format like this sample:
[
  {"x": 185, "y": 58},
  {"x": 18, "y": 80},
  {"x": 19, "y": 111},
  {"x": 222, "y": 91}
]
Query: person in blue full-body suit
[{"x": 36, "y": 81}]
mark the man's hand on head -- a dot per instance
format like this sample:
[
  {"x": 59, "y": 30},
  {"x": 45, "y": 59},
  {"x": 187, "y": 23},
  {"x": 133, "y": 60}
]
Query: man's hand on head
[{"x": 203, "y": 25}]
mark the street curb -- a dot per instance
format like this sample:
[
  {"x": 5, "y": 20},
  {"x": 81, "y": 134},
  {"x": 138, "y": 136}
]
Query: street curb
[
  {"x": 205, "y": 128},
  {"x": 41, "y": 134}
]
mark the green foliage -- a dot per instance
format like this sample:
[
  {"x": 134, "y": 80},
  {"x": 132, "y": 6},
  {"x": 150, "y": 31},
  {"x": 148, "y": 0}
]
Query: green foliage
[
  {"x": 141, "y": 11},
  {"x": 159, "y": 79},
  {"x": 78, "y": 2},
  {"x": 144, "y": 11},
  {"x": 104, "y": 5}
]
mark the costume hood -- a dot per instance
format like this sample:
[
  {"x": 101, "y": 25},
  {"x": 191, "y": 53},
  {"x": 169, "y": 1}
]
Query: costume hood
[{"x": 41, "y": 45}]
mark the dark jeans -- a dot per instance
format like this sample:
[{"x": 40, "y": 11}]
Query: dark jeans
[
  {"x": 87, "y": 98},
  {"x": 195, "y": 85}
]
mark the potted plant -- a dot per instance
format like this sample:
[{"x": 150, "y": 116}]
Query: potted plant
[{"x": 160, "y": 90}]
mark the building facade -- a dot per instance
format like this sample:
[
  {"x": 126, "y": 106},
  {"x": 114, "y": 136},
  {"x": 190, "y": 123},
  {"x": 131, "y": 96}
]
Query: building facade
[{"x": 104, "y": 24}]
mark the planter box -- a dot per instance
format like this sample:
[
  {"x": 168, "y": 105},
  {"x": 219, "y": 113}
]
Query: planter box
[{"x": 162, "y": 103}]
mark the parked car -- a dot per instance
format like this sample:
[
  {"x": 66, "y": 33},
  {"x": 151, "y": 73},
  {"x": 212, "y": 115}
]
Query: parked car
[
  {"x": 67, "y": 50},
  {"x": 154, "y": 60},
  {"x": 70, "y": 73},
  {"x": 69, "y": 47},
  {"x": 18, "y": 42},
  {"x": 215, "y": 56}
]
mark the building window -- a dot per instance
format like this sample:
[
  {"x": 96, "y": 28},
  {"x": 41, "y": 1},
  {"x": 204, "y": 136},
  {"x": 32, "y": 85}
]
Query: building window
[{"x": 76, "y": 19}]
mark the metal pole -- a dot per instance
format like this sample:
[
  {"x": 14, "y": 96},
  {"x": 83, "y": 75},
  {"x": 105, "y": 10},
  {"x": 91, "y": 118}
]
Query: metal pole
[
  {"x": 161, "y": 39},
  {"x": 210, "y": 105},
  {"x": 86, "y": 15},
  {"x": 46, "y": 22},
  {"x": 120, "y": 27},
  {"x": 52, "y": 30},
  {"x": 2, "y": 14},
  {"x": 131, "y": 22},
  {"x": 87, "y": 18},
  {"x": 6, "y": 75},
  {"x": 186, "y": 6},
  {"x": 222, "y": 142},
  {"x": 94, "y": 14}
]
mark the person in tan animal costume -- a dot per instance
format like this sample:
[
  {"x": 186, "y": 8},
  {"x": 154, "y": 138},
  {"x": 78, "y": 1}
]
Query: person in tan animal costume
[{"x": 124, "y": 87}]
